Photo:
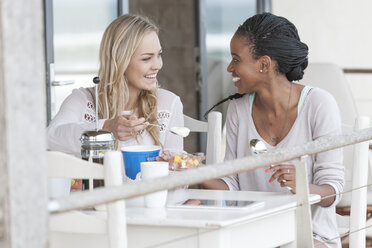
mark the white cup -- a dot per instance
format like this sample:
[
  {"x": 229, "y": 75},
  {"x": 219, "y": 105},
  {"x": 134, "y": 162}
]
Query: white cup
[{"x": 153, "y": 170}]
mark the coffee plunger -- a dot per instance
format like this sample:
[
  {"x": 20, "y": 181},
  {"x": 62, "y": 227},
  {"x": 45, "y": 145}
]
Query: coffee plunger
[{"x": 95, "y": 143}]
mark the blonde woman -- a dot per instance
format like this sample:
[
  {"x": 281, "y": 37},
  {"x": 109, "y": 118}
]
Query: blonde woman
[{"x": 130, "y": 59}]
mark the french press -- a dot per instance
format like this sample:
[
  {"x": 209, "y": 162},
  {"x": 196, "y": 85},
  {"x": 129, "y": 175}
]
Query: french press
[{"x": 95, "y": 143}]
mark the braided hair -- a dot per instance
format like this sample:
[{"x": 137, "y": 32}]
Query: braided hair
[
  {"x": 276, "y": 37},
  {"x": 235, "y": 96}
]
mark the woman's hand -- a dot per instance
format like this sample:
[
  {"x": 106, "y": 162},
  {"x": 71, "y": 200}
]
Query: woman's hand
[
  {"x": 285, "y": 174},
  {"x": 125, "y": 127}
]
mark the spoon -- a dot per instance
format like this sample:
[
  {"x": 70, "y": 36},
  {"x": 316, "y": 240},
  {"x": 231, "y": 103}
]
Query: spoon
[
  {"x": 180, "y": 131},
  {"x": 258, "y": 147}
]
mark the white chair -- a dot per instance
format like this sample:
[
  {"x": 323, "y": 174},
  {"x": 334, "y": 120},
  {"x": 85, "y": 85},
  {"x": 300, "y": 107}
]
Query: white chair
[
  {"x": 332, "y": 79},
  {"x": 213, "y": 129},
  {"x": 88, "y": 229}
]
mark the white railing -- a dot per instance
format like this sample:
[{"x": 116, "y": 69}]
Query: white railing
[{"x": 190, "y": 177}]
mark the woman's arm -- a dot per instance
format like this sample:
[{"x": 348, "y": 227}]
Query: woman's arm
[
  {"x": 75, "y": 116},
  {"x": 285, "y": 174},
  {"x": 324, "y": 191},
  {"x": 328, "y": 169},
  {"x": 217, "y": 184}
]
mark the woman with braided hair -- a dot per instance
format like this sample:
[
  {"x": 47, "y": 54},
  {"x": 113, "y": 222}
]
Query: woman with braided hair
[{"x": 267, "y": 57}]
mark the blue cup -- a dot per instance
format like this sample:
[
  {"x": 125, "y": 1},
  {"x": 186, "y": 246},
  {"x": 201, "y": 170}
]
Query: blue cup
[{"x": 134, "y": 155}]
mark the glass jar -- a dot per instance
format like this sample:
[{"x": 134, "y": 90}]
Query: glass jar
[{"x": 94, "y": 144}]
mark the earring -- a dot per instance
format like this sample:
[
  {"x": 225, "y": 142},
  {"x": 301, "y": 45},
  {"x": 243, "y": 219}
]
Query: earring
[{"x": 260, "y": 70}]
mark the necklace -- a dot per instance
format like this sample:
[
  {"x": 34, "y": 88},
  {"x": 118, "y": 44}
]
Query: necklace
[{"x": 278, "y": 138}]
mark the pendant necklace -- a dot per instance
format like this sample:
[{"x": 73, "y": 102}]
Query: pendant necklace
[{"x": 278, "y": 138}]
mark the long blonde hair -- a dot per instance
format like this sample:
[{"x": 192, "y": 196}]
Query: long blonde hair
[{"x": 119, "y": 42}]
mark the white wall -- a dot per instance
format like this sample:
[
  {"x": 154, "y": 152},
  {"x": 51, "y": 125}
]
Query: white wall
[
  {"x": 338, "y": 31},
  {"x": 335, "y": 30},
  {"x": 361, "y": 86}
]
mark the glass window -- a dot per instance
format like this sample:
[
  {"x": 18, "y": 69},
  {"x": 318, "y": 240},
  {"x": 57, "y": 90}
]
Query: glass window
[
  {"x": 78, "y": 29},
  {"x": 222, "y": 19}
]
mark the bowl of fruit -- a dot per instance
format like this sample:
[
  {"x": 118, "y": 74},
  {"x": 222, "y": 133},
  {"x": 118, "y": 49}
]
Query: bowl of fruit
[{"x": 184, "y": 161}]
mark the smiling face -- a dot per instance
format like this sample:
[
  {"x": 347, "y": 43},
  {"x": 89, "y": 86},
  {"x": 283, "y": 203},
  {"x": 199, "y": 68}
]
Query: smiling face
[
  {"x": 244, "y": 68},
  {"x": 145, "y": 64}
]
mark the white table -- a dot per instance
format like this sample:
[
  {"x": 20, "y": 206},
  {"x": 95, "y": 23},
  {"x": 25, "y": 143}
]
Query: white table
[{"x": 269, "y": 226}]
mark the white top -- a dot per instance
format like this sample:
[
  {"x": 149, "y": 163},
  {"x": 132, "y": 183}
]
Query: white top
[
  {"x": 318, "y": 117},
  {"x": 77, "y": 115}
]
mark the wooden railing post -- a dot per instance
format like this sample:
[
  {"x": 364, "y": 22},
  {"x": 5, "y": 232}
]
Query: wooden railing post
[{"x": 303, "y": 214}]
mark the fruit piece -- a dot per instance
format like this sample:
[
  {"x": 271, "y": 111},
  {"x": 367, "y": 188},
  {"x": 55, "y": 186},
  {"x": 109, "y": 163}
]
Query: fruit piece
[
  {"x": 77, "y": 184},
  {"x": 177, "y": 159},
  {"x": 183, "y": 164}
]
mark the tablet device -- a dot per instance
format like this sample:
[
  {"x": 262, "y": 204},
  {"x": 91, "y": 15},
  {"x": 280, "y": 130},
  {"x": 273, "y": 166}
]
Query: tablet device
[{"x": 218, "y": 204}]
